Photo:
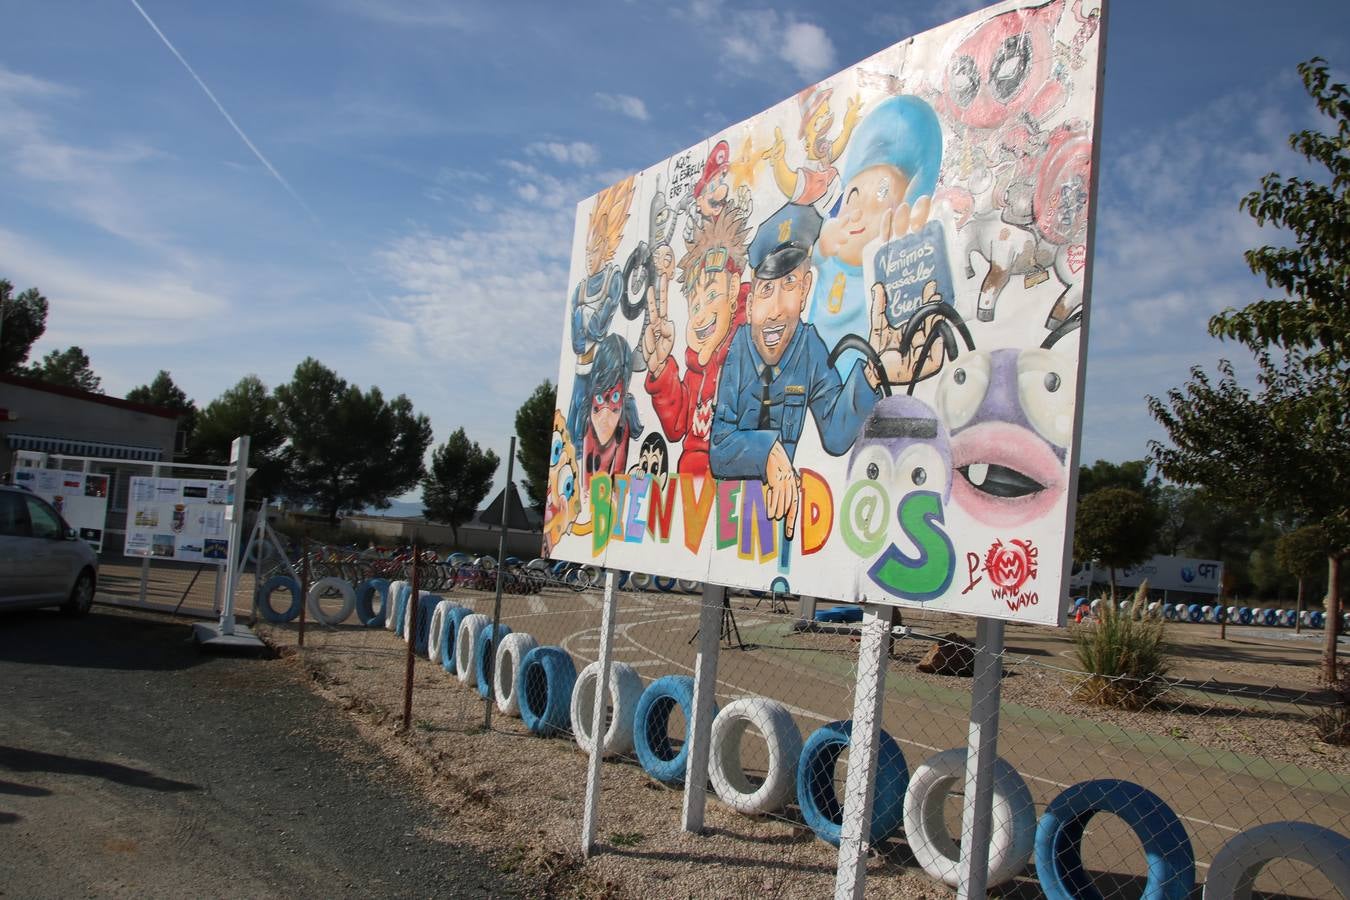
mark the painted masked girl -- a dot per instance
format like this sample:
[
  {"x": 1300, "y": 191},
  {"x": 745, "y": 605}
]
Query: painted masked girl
[{"x": 613, "y": 418}]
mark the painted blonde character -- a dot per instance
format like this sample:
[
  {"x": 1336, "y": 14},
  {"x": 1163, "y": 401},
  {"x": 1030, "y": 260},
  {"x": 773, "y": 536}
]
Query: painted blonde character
[
  {"x": 817, "y": 178},
  {"x": 563, "y": 505},
  {"x": 596, "y": 298}
]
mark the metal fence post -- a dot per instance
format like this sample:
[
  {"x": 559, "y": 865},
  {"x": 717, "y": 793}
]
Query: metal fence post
[
  {"x": 864, "y": 744},
  {"x": 981, "y": 751},
  {"x": 607, "y": 619},
  {"x": 491, "y": 660},
  {"x": 413, "y": 603},
  {"x": 705, "y": 690}
]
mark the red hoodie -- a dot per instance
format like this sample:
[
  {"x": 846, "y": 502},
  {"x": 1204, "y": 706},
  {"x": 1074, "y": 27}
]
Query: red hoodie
[{"x": 685, "y": 407}]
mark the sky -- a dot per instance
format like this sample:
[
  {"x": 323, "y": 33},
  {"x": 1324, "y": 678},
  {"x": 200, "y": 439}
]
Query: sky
[{"x": 390, "y": 185}]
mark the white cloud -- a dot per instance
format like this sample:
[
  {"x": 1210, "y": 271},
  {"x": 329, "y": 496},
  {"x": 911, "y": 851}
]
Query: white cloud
[
  {"x": 633, "y": 107},
  {"x": 808, "y": 49},
  {"x": 17, "y": 83},
  {"x": 577, "y": 153}
]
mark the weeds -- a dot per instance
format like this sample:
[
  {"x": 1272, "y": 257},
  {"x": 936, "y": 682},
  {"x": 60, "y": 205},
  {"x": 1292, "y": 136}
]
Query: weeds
[
  {"x": 1333, "y": 723},
  {"x": 626, "y": 838},
  {"x": 1123, "y": 656}
]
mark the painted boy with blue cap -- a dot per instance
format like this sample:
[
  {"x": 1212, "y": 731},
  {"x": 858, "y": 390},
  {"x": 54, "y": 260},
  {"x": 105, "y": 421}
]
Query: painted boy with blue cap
[
  {"x": 778, "y": 368},
  {"x": 889, "y": 176}
]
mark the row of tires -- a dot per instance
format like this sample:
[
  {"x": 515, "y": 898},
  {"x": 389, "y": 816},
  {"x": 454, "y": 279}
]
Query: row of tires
[
  {"x": 541, "y": 686},
  {"x": 1206, "y": 613}
]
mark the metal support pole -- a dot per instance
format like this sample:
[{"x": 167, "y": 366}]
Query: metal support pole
[
  {"x": 705, "y": 702},
  {"x": 414, "y": 602},
  {"x": 981, "y": 751},
  {"x": 608, "y": 616},
  {"x": 145, "y": 561},
  {"x": 497, "y": 603},
  {"x": 304, "y": 588},
  {"x": 860, "y": 784}
]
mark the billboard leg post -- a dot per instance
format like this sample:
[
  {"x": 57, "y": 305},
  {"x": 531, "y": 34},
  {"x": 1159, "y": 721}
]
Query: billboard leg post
[
  {"x": 607, "y": 619},
  {"x": 497, "y": 601},
  {"x": 981, "y": 752},
  {"x": 868, "y": 700},
  {"x": 705, "y": 689}
]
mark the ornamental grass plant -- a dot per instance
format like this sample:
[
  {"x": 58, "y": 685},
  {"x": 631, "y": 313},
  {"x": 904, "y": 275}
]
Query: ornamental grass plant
[{"x": 1122, "y": 654}]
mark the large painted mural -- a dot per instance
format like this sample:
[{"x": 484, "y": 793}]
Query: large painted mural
[{"x": 838, "y": 348}]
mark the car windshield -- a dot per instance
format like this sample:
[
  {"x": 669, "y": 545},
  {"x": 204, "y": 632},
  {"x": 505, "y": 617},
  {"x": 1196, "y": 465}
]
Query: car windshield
[{"x": 44, "y": 522}]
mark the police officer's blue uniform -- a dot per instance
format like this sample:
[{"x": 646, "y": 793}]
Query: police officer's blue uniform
[{"x": 743, "y": 430}]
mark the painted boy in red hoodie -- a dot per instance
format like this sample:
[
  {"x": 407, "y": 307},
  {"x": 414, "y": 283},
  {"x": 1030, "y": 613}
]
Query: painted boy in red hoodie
[{"x": 710, "y": 276}]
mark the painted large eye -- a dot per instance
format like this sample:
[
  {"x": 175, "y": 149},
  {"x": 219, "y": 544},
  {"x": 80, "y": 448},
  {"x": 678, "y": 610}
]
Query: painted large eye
[
  {"x": 1011, "y": 64},
  {"x": 873, "y": 463},
  {"x": 614, "y": 397},
  {"x": 555, "y": 452},
  {"x": 567, "y": 483},
  {"x": 962, "y": 389},
  {"x": 921, "y": 468},
  {"x": 1045, "y": 388},
  {"x": 964, "y": 80}
]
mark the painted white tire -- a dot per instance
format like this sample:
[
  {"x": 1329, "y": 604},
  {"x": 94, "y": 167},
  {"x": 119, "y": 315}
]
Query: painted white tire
[
  {"x": 1235, "y": 867},
  {"x": 434, "y": 636},
  {"x": 625, "y": 689},
  {"x": 390, "y": 621},
  {"x": 1095, "y": 604},
  {"x": 1153, "y": 609},
  {"x": 343, "y": 587},
  {"x": 640, "y": 581},
  {"x": 689, "y": 586},
  {"x": 511, "y": 651},
  {"x": 466, "y": 640},
  {"x": 773, "y": 721},
  {"x": 1011, "y": 839}
]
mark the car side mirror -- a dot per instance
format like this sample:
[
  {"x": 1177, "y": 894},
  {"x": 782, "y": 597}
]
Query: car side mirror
[{"x": 72, "y": 534}]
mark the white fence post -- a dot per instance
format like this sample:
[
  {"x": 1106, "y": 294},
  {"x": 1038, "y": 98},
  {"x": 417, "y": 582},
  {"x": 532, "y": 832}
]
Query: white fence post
[
  {"x": 607, "y": 617},
  {"x": 981, "y": 751},
  {"x": 705, "y": 690},
  {"x": 864, "y": 743}
]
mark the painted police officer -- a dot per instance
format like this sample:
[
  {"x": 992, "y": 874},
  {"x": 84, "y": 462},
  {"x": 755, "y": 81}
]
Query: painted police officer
[{"x": 778, "y": 368}]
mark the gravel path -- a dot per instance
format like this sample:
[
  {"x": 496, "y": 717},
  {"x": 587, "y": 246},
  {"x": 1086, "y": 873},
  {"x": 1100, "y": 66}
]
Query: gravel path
[{"x": 131, "y": 764}]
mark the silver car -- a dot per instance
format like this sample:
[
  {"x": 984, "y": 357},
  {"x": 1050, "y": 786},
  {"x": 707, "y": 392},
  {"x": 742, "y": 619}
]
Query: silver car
[{"x": 43, "y": 561}]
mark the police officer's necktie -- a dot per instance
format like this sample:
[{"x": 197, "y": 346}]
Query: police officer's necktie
[{"x": 766, "y": 376}]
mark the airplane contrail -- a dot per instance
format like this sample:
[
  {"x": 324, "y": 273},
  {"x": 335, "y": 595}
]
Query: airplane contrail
[{"x": 253, "y": 148}]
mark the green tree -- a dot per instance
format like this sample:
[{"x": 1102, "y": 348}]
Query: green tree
[
  {"x": 534, "y": 441},
  {"x": 347, "y": 448},
  {"x": 247, "y": 408},
  {"x": 1132, "y": 474},
  {"x": 67, "y": 368},
  {"x": 163, "y": 392},
  {"x": 1302, "y": 553},
  {"x": 460, "y": 477},
  {"x": 1312, "y": 319},
  {"x": 1113, "y": 527},
  {"x": 1286, "y": 449},
  {"x": 23, "y": 319}
]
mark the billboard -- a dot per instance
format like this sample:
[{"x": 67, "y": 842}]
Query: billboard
[
  {"x": 838, "y": 347},
  {"x": 81, "y": 499},
  {"x": 178, "y": 518}
]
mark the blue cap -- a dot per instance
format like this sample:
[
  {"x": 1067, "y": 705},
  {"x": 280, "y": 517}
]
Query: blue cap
[
  {"x": 783, "y": 240},
  {"x": 900, "y": 131}
]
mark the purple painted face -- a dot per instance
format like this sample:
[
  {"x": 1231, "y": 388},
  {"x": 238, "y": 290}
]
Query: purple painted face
[
  {"x": 1011, "y": 418},
  {"x": 904, "y": 447}
]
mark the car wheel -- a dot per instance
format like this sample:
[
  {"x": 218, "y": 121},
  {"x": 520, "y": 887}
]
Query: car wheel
[{"x": 81, "y": 596}]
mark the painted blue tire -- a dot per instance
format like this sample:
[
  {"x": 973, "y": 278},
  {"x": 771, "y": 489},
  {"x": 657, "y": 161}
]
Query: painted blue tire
[
  {"x": 426, "y": 608},
  {"x": 366, "y": 593},
  {"x": 482, "y": 674},
  {"x": 1079, "y": 602},
  {"x": 1218, "y": 614},
  {"x": 820, "y": 804},
  {"x": 1245, "y": 615},
  {"x": 651, "y": 727},
  {"x": 1270, "y": 617},
  {"x": 1059, "y": 840},
  {"x": 1288, "y": 617},
  {"x": 451, "y": 625},
  {"x": 1169, "y": 612},
  {"x": 1193, "y": 613},
  {"x": 1317, "y": 619},
  {"x": 547, "y": 676},
  {"x": 664, "y": 585},
  {"x": 264, "y": 599}
]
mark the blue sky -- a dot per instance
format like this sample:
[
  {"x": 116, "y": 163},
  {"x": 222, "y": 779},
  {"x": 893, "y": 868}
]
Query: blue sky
[{"x": 427, "y": 158}]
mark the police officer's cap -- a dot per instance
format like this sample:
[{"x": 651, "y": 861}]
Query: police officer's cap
[{"x": 784, "y": 240}]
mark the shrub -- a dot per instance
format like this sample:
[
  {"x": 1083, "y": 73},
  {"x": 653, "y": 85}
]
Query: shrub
[{"x": 1123, "y": 656}]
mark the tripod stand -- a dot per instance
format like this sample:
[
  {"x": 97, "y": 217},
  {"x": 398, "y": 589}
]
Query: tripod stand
[{"x": 731, "y": 634}]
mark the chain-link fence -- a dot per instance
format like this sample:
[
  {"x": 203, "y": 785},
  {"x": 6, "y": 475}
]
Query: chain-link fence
[{"x": 1229, "y": 769}]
